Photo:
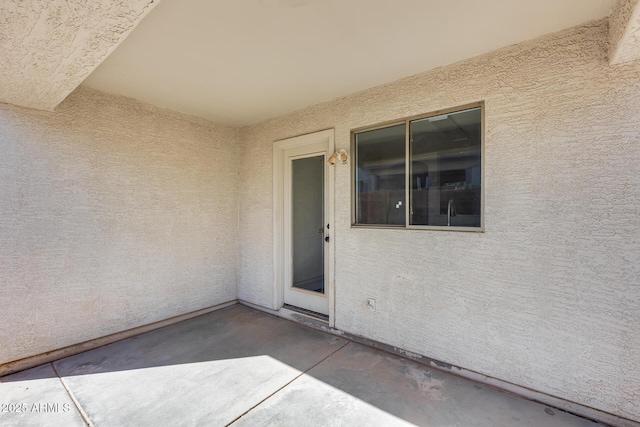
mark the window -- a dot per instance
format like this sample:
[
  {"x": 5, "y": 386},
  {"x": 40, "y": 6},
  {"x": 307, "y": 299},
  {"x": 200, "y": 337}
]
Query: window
[{"x": 433, "y": 161}]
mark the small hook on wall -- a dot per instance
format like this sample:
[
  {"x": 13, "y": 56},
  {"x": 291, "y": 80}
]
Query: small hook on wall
[{"x": 339, "y": 156}]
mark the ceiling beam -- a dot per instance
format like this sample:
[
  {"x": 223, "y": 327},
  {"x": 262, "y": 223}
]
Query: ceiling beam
[
  {"x": 624, "y": 32},
  {"x": 48, "y": 47}
]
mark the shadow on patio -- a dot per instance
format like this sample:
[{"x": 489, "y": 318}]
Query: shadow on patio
[{"x": 245, "y": 367}]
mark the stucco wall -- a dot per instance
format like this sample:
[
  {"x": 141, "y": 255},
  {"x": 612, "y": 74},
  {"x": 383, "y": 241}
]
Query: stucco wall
[
  {"x": 49, "y": 47},
  {"x": 548, "y": 297},
  {"x": 114, "y": 214}
]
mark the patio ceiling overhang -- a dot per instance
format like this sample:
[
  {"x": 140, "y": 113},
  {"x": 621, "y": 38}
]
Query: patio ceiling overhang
[
  {"x": 624, "y": 32},
  {"x": 47, "y": 48}
]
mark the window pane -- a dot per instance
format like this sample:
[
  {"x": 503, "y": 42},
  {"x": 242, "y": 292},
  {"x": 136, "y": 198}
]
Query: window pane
[
  {"x": 307, "y": 218},
  {"x": 380, "y": 176},
  {"x": 445, "y": 154}
]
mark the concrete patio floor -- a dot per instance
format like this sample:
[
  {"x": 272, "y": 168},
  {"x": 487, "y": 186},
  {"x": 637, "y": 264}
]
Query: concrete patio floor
[{"x": 242, "y": 367}]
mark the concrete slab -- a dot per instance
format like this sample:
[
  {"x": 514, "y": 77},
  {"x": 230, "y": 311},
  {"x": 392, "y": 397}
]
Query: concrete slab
[
  {"x": 205, "y": 371},
  {"x": 310, "y": 402},
  {"x": 243, "y": 367},
  {"x": 359, "y": 385},
  {"x": 36, "y": 397}
]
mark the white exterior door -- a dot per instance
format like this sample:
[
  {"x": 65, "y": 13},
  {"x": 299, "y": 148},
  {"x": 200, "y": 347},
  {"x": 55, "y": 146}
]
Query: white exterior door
[{"x": 306, "y": 226}]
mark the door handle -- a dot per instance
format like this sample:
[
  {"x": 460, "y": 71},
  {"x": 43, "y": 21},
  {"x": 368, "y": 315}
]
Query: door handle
[{"x": 326, "y": 239}]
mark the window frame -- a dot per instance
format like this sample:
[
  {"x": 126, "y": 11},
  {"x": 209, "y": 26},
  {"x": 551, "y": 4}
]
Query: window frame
[{"x": 408, "y": 205}]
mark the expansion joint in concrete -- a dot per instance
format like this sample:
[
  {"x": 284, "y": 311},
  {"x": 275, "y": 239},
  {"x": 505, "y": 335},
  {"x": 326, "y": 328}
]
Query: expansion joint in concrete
[
  {"x": 287, "y": 384},
  {"x": 83, "y": 414}
]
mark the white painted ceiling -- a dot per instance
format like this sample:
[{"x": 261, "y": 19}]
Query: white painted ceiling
[{"x": 238, "y": 62}]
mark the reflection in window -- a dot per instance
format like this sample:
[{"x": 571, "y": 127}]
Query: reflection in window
[
  {"x": 445, "y": 160},
  {"x": 381, "y": 176},
  {"x": 445, "y": 169}
]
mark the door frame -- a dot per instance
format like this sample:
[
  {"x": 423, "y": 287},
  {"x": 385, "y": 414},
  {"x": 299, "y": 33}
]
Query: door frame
[{"x": 279, "y": 148}]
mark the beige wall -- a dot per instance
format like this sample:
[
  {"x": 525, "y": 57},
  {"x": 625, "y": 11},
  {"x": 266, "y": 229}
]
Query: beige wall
[
  {"x": 114, "y": 214},
  {"x": 548, "y": 297}
]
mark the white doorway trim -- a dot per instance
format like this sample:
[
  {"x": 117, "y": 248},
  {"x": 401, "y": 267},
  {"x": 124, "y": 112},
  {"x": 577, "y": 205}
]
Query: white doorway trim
[{"x": 278, "y": 216}]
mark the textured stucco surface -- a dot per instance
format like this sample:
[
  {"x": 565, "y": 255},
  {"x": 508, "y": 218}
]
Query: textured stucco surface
[
  {"x": 548, "y": 296},
  {"x": 624, "y": 32},
  {"x": 114, "y": 214},
  {"x": 48, "y": 47}
]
